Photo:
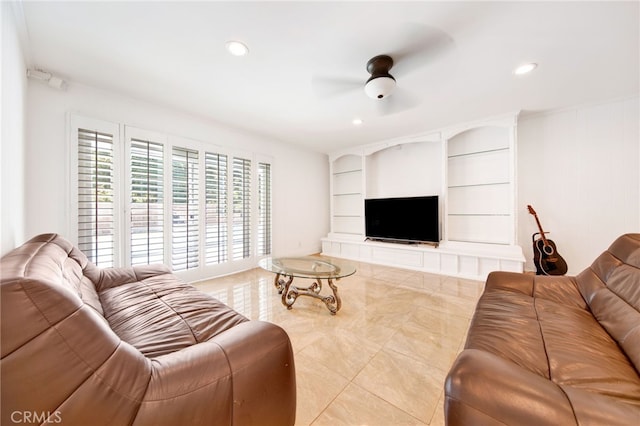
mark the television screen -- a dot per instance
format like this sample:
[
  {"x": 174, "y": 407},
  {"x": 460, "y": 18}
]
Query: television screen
[{"x": 408, "y": 219}]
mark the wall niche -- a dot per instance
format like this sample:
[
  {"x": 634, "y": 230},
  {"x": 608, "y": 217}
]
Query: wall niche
[{"x": 405, "y": 170}]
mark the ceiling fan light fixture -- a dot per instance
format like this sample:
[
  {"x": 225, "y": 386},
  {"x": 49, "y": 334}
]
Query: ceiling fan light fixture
[{"x": 380, "y": 87}]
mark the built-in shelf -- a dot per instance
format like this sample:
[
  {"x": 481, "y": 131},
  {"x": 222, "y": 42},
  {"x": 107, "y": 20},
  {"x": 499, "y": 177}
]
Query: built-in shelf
[
  {"x": 347, "y": 211},
  {"x": 347, "y": 172},
  {"x": 479, "y": 184},
  {"x": 470, "y": 167},
  {"x": 475, "y": 153}
]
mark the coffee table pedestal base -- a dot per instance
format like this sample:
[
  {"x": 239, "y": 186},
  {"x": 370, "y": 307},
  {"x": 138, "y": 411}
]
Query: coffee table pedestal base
[{"x": 290, "y": 292}]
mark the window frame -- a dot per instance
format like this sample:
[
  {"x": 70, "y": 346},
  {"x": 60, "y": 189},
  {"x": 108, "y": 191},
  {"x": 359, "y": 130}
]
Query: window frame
[
  {"x": 131, "y": 133},
  {"x": 75, "y": 123},
  {"x": 222, "y": 256},
  {"x": 258, "y": 252},
  {"x": 122, "y": 137},
  {"x": 190, "y": 154}
]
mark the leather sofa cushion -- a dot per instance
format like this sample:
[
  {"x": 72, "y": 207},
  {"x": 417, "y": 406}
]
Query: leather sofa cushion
[
  {"x": 54, "y": 260},
  {"x": 160, "y": 315},
  {"x": 543, "y": 325}
]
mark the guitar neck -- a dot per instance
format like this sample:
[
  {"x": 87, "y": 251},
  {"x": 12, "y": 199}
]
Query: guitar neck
[{"x": 544, "y": 239}]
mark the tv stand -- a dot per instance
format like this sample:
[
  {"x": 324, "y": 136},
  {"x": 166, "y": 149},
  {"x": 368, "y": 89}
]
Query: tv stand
[
  {"x": 404, "y": 242},
  {"x": 464, "y": 260}
]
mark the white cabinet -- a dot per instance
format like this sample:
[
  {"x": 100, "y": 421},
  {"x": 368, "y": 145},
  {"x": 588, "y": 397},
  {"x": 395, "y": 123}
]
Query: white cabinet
[{"x": 472, "y": 262}]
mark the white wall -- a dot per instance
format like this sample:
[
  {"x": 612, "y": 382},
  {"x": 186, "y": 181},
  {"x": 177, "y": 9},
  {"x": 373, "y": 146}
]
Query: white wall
[
  {"x": 13, "y": 90},
  {"x": 300, "y": 178},
  {"x": 579, "y": 169}
]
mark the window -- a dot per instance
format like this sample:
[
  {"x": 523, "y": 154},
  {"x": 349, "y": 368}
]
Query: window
[
  {"x": 215, "y": 208},
  {"x": 184, "y": 230},
  {"x": 264, "y": 209},
  {"x": 160, "y": 199},
  {"x": 96, "y": 207},
  {"x": 241, "y": 220},
  {"x": 147, "y": 202}
]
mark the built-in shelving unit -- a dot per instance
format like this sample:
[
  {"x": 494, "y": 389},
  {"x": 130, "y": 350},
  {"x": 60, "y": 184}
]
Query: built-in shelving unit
[
  {"x": 480, "y": 186},
  {"x": 347, "y": 211},
  {"x": 471, "y": 168}
]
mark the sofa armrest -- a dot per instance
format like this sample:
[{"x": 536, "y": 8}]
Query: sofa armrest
[
  {"x": 482, "y": 388},
  {"x": 244, "y": 375},
  {"x": 114, "y": 277}
]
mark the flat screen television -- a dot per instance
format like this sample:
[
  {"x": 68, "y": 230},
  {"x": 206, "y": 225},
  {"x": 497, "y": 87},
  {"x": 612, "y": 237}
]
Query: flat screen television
[{"x": 407, "y": 219}]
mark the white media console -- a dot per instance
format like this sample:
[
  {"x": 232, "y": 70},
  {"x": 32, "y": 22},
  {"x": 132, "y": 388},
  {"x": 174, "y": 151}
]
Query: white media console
[{"x": 459, "y": 260}]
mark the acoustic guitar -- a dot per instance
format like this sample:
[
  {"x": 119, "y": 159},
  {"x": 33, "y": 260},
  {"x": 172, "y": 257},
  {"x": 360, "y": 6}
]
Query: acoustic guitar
[{"x": 545, "y": 254}]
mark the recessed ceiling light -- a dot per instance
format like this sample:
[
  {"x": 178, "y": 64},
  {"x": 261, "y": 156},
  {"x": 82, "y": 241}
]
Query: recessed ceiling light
[
  {"x": 357, "y": 121},
  {"x": 524, "y": 69},
  {"x": 237, "y": 48}
]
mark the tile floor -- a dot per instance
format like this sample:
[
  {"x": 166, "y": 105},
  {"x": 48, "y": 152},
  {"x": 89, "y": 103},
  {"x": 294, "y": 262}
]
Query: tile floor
[{"x": 382, "y": 359}]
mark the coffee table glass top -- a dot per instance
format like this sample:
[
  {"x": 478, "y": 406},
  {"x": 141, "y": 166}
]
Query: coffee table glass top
[{"x": 308, "y": 267}]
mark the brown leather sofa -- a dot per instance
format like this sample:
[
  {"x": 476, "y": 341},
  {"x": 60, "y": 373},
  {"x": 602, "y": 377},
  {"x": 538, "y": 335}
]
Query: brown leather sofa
[
  {"x": 548, "y": 350},
  {"x": 131, "y": 346}
]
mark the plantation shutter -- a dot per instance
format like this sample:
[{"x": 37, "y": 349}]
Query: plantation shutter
[
  {"x": 185, "y": 233},
  {"x": 216, "y": 223},
  {"x": 147, "y": 202},
  {"x": 264, "y": 209},
  {"x": 241, "y": 218},
  {"x": 96, "y": 212}
]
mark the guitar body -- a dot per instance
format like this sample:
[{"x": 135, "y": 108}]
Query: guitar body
[{"x": 547, "y": 259}]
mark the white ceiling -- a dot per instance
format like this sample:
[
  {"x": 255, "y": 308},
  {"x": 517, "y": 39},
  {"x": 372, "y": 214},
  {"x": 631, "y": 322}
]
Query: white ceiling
[{"x": 172, "y": 53}]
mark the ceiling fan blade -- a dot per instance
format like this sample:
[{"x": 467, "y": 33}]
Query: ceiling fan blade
[
  {"x": 329, "y": 87},
  {"x": 423, "y": 46},
  {"x": 400, "y": 100}
]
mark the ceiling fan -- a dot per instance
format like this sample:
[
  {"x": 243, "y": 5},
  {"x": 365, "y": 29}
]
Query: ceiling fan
[
  {"x": 422, "y": 46},
  {"x": 381, "y": 83}
]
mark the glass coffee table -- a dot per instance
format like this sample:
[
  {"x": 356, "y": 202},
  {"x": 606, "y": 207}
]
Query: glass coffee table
[{"x": 309, "y": 267}]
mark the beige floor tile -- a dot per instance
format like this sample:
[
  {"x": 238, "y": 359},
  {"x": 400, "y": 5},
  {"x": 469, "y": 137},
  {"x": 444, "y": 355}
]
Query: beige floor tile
[
  {"x": 438, "y": 416},
  {"x": 451, "y": 305},
  {"x": 393, "y": 275},
  {"x": 356, "y": 406},
  {"x": 342, "y": 351},
  {"x": 435, "y": 323},
  {"x": 459, "y": 287},
  {"x": 317, "y": 387},
  {"x": 375, "y": 332},
  {"x": 425, "y": 282},
  {"x": 416, "y": 342},
  {"x": 408, "y": 384}
]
